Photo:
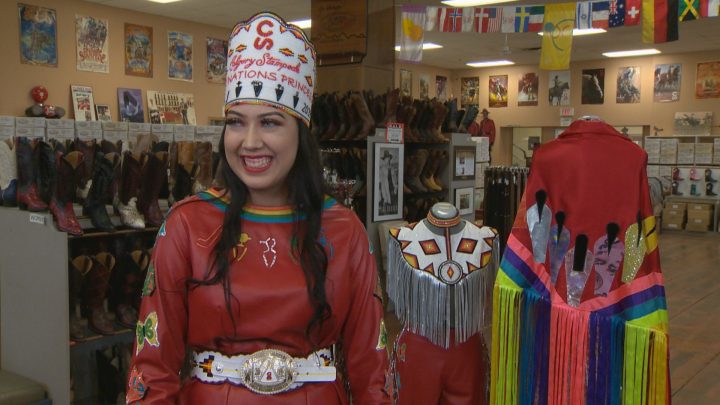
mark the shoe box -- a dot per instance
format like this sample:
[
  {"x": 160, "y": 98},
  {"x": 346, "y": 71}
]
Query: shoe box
[
  {"x": 673, "y": 216},
  {"x": 699, "y": 217}
]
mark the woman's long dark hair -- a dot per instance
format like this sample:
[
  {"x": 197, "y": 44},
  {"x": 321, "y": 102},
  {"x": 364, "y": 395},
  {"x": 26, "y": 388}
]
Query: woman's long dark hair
[{"x": 306, "y": 195}]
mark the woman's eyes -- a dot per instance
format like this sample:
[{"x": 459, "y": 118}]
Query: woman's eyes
[
  {"x": 231, "y": 122},
  {"x": 265, "y": 122},
  {"x": 269, "y": 123}
]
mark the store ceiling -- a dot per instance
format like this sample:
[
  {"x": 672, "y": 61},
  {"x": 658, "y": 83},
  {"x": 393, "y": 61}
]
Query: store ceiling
[{"x": 459, "y": 48}]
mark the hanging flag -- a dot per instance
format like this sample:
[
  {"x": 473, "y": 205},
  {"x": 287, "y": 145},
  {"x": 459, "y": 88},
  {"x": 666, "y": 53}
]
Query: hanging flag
[
  {"x": 557, "y": 41},
  {"x": 508, "y": 20},
  {"x": 468, "y": 19},
  {"x": 432, "y": 18},
  {"x": 583, "y": 16},
  {"x": 413, "y": 25},
  {"x": 476, "y": 20},
  {"x": 537, "y": 15},
  {"x": 451, "y": 20},
  {"x": 632, "y": 12},
  {"x": 688, "y": 10},
  {"x": 709, "y": 8},
  {"x": 522, "y": 18},
  {"x": 617, "y": 13},
  {"x": 659, "y": 21},
  {"x": 493, "y": 21},
  {"x": 600, "y": 14}
]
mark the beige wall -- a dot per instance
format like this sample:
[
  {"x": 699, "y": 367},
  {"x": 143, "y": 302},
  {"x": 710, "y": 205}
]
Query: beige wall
[{"x": 17, "y": 79}]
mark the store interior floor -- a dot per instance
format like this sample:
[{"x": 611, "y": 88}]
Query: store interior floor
[{"x": 691, "y": 266}]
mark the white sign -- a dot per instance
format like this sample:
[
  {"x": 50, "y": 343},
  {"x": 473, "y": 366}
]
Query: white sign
[{"x": 394, "y": 132}]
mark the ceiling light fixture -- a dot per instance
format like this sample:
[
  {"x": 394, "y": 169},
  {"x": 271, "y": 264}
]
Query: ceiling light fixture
[
  {"x": 426, "y": 46},
  {"x": 583, "y": 31},
  {"x": 473, "y": 3},
  {"x": 489, "y": 63},
  {"x": 303, "y": 24},
  {"x": 637, "y": 52},
  {"x": 164, "y": 1}
]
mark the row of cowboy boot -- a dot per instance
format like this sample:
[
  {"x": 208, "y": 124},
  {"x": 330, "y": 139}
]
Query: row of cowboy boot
[
  {"x": 343, "y": 117},
  {"x": 28, "y": 194},
  {"x": 126, "y": 286},
  {"x": 89, "y": 281},
  {"x": 8, "y": 174},
  {"x": 192, "y": 167},
  {"x": 423, "y": 169}
]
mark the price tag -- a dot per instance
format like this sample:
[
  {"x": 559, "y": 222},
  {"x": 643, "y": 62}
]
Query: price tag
[
  {"x": 394, "y": 132},
  {"x": 37, "y": 219}
]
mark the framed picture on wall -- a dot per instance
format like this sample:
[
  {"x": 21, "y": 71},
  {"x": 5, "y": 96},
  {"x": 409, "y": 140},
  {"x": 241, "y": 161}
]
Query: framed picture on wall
[
  {"x": 217, "y": 50},
  {"x": 138, "y": 50},
  {"x": 559, "y": 87},
  {"x": 593, "y": 86},
  {"x": 38, "y": 35},
  {"x": 103, "y": 112},
  {"x": 388, "y": 188},
  {"x": 498, "y": 91},
  {"x": 171, "y": 108},
  {"x": 464, "y": 200},
  {"x": 424, "y": 87},
  {"x": 130, "y": 105},
  {"x": 464, "y": 168},
  {"x": 91, "y": 44},
  {"x": 180, "y": 56},
  {"x": 83, "y": 103},
  {"x": 469, "y": 89},
  {"x": 707, "y": 82},
  {"x": 528, "y": 89},
  {"x": 666, "y": 83},
  {"x": 628, "y": 85},
  {"x": 441, "y": 88},
  {"x": 405, "y": 82}
]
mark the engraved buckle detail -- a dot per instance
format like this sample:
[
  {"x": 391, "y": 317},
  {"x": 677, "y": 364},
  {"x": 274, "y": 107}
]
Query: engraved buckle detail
[{"x": 268, "y": 372}]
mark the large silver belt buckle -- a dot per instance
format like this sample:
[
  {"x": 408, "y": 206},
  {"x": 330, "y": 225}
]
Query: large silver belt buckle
[{"x": 268, "y": 371}]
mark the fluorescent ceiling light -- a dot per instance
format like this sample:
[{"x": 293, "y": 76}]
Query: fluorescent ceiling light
[
  {"x": 163, "y": 1},
  {"x": 489, "y": 63},
  {"x": 473, "y": 3},
  {"x": 302, "y": 23},
  {"x": 426, "y": 46},
  {"x": 637, "y": 52},
  {"x": 583, "y": 31}
]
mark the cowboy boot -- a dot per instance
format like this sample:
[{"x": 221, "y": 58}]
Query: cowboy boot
[
  {"x": 28, "y": 195},
  {"x": 366, "y": 118},
  {"x": 86, "y": 171},
  {"x": 144, "y": 143},
  {"x": 8, "y": 174},
  {"x": 419, "y": 160},
  {"x": 693, "y": 175},
  {"x": 452, "y": 115},
  {"x": 79, "y": 267},
  {"x": 429, "y": 170},
  {"x": 319, "y": 116},
  {"x": 470, "y": 115},
  {"x": 151, "y": 178},
  {"x": 218, "y": 181},
  {"x": 184, "y": 170},
  {"x": 126, "y": 286},
  {"x": 64, "y": 184},
  {"x": 95, "y": 289},
  {"x": 676, "y": 174},
  {"x": 443, "y": 157},
  {"x": 708, "y": 176},
  {"x": 408, "y": 113},
  {"x": 343, "y": 118},
  {"x": 163, "y": 146},
  {"x": 675, "y": 188},
  {"x": 203, "y": 163},
  {"x": 391, "y": 106},
  {"x": 693, "y": 190},
  {"x": 102, "y": 182},
  {"x": 331, "y": 106},
  {"x": 44, "y": 156},
  {"x": 440, "y": 112},
  {"x": 109, "y": 147},
  {"x": 128, "y": 193},
  {"x": 709, "y": 190}
]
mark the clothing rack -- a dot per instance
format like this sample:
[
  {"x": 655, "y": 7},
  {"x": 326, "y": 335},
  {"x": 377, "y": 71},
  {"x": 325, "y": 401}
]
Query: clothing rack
[{"x": 504, "y": 188}]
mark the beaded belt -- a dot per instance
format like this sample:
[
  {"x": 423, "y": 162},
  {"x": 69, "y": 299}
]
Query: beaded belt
[{"x": 267, "y": 371}]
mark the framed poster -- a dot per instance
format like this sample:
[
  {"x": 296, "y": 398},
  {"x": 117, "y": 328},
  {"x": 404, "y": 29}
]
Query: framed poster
[
  {"x": 469, "y": 91},
  {"x": 666, "y": 83},
  {"x": 628, "y": 85},
  {"x": 83, "y": 103},
  {"x": 441, "y": 88},
  {"x": 593, "y": 86},
  {"x": 707, "y": 81},
  {"x": 559, "y": 87},
  {"x": 217, "y": 50},
  {"x": 91, "y": 44},
  {"x": 171, "y": 108},
  {"x": 405, "y": 83},
  {"x": 498, "y": 91},
  {"x": 38, "y": 35},
  {"x": 424, "y": 87},
  {"x": 102, "y": 111},
  {"x": 130, "y": 105},
  {"x": 528, "y": 90},
  {"x": 464, "y": 200},
  {"x": 464, "y": 168},
  {"x": 693, "y": 123},
  {"x": 388, "y": 162},
  {"x": 180, "y": 56},
  {"x": 138, "y": 50}
]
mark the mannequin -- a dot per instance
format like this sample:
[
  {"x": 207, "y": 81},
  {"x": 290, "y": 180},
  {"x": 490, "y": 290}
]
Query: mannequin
[{"x": 440, "y": 276}]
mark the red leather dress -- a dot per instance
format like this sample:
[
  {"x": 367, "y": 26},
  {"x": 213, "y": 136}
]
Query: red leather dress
[{"x": 271, "y": 306}]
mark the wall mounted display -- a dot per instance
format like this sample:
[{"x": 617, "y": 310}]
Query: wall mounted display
[
  {"x": 441, "y": 88},
  {"x": 138, "y": 50},
  {"x": 528, "y": 90},
  {"x": 666, "y": 84},
  {"x": 424, "y": 87},
  {"x": 171, "y": 108},
  {"x": 628, "y": 85},
  {"x": 91, "y": 44},
  {"x": 498, "y": 91},
  {"x": 707, "y": 82},
  {"x": 693, "y": 123},
  {"x": 405, "y": 83},
  {"x": 38, "y": 35},
  {"x": 559, "y": 87},
  {"x": 130, "y": 105},
  {"x": 388, "y": 174},
  {"x": 217, "y": 50},
  {"x": 83, "y": 103},
  {"x": 180, "y": 56},
  {"x": 464, "y": 168},
  {"x": 469, "y": 91},
  {"x": 464, "y": 200},
  {"x": 102, "y": 111},
  {"x": 593, "y": 86}
]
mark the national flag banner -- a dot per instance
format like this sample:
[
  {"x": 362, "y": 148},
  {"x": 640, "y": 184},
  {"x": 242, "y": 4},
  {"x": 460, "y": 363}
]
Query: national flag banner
[
  {"x": 659, "y": 21},
  {"x": 493, "y": 23},
  {"x": 468, "y": 19},
  {"x": 600, "y": 14},
  {"x": 413, "y": 19},
  {"x": 557, "y": 41},
  {"x": 583, "y": 16},
  {"x": 432, "y": 18},
  {"x": 617, "y": 13},
  {"x": 537, "y": 15},
  {"x": 522, "y": 18},
  {"x": 477, "y": 19},
  {"x": 709, "y": 8},
  {"x": 632, "y": 12},
  {"x": 508, "y": 20},
  {"x": 688, "y": 10},
  {"x": 451, "y": 20}
]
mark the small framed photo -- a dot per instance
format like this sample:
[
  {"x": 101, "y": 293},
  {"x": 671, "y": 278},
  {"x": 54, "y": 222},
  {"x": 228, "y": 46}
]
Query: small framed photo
[
  {"x": 464, "y": 200},
  {"x": 405, "y": 83},
  {"x": 464, "y": 163},
  {"x": 83, "y": 103},
  {"x": 103, "y": 112},
  {"x": 388, "y": 174}
]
